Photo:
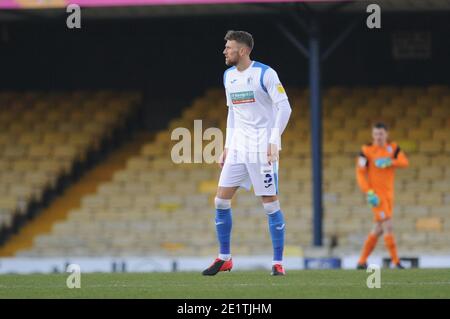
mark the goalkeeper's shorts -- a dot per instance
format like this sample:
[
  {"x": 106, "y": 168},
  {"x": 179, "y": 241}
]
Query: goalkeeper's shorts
[
  {"x": 246, "y": 170},
  {"x": 384, "y": 210}
]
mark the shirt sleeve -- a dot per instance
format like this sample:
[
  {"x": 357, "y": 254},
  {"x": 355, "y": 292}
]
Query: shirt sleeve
[
  {"x": 361, "y": 172},
  {"x": 273, "y": 86},
  {"x": 228, "y": 98},
  {"x": 281, "y": 120},
  {"x": 230, "y": 127},
  {"x": 400, "y": 160}
]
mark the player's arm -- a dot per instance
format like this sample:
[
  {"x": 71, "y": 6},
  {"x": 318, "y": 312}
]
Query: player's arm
[
  {"x": 228, "y": 135},
  {"x": 361, "y": 176},
  {"x": 230, "y": 124},
  {"x": 400, "y": 160},
  {"x": 230, "y": 127},
  {"x": 362, "y": 164},
  {"x": 283, "y": 113},
  {"x": 281, "y": 104}
]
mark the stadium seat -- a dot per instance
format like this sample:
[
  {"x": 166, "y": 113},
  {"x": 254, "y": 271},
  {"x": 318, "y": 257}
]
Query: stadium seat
[{"x": 149, "y": 206}]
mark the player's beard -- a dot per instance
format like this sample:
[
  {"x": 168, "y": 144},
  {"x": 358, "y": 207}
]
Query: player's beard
[{"x": 230, "y": 62}]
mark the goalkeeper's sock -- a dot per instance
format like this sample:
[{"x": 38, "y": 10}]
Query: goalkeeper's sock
[
  {"x": 224, "y": 224},
  {"x": 389, "y": 240},
  {"x": 277, "y": 229},
  {"x": 369, "y": 245}
]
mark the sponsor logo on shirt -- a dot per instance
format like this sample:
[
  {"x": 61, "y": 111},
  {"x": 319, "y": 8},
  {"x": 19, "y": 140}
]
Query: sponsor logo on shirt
[
  {"x": 280, "y": 89},
  {"x": 242, "y": 97}
]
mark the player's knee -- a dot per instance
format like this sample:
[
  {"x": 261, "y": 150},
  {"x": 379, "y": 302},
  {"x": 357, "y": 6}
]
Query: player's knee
[
  {"x": 221, "y": 203},
  {"x": 268, "y": 199},
  {"x": 388, "y": 229},
  {"x": 271, "y": 207},
  {"x": 378, "y": 230}
]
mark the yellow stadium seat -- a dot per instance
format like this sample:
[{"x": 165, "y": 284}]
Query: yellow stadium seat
[
  {"x": 138, "y": 163},
  {"x": 5, "y": 165},
  {"x": 447, "y": 147},
  {"x": 30, "y": 138},
  {"x": 430, "y": 172},
  {"x": 337, "y": 113},
  {"x": 55, "y": 138},
  {"x": 24, "y": 192},
  {"x": 65, "y": 152},
  {"x": 342, "y": 135},
  {"x": 418, "y": 160},
  {"x": 363, "y": 135},
  {"x": 431, "y": 123},
  {"x": 438, "y": 90},
  {"x": 351, "y": 123},
  {"x": 334, "y": 147},
  {"x": 441, "y": 134},
  {"x": 351, "y": 149},
  {"x": 440, "y": 111},
  {"x": 430, "y": 146},
  {"x": 39, "y": 151},
  {"x": 429, "y": 224},
  {"x": 8, "y": 202},
  {"x": 427, "y": 101},
  {"x": 430, "y": 199},
  {"x": 419, "y": 133},
  {"x": 397, "y": 110},
  {"x": 370, "y": 111},
  {"x": 408, "y": 146},
  {"x": 406, "y": 122},
  {"x": 14, "y": 151},
  {"x": 93, "y": 201},
  {"x": 208, "y": 186},
  {"x": 121, "y": 201},
  {"x": 24, "y": 165},
  {"x": 397, "y": 133}
]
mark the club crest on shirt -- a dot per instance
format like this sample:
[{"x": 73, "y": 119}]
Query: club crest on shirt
[
  {"x": 249, "y": 81},
  {"x": 389, "y": 148}
]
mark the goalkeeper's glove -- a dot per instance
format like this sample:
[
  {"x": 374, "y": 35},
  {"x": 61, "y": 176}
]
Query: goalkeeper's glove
[
  {"x": 383, "y": 162},
  {"x": 373, "y": 199}
]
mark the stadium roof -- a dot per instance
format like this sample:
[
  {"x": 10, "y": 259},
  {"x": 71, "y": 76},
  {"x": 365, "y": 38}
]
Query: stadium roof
[{"x": 223, "y": 7}]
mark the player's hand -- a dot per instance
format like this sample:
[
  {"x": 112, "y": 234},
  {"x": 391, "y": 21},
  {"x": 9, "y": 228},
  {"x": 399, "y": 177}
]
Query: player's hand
[
  {"x": 383, "y": 162},
  {"x": 222, "y": 157},
  {"x": 373, "y": 199},
  {"x": 272, "y": 153}
]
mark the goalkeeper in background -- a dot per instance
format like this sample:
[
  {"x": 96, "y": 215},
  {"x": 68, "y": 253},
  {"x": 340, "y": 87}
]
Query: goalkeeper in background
[{"x": 375, "y": 172}]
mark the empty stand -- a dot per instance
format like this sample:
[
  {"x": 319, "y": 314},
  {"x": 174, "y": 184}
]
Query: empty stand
[{"x": 155, "y": 207}]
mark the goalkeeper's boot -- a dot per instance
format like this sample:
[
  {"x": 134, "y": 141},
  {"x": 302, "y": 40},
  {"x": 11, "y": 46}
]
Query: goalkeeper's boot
[
  {"x": 278, "y": 270},
  {"x": 361, "y": 266},
  {"x": 399, "y": 266},
  {"x": 218, "y": 265}
]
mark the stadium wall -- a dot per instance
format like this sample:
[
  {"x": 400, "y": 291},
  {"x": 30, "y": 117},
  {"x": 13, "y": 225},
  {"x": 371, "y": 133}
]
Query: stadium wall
[{"x": 21, "y": 265}]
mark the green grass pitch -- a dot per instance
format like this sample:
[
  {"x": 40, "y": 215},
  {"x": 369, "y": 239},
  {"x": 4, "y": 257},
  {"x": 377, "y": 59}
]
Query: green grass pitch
[{"x": 417, "y": 283}]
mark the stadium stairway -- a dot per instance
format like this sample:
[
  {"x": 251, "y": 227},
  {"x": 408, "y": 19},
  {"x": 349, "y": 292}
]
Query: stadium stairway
[{"x": 71, "y": 198}]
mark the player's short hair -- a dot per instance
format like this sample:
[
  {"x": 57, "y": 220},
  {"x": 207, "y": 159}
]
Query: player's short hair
[
  {"x": 241, "y": 37},
  {"x": 380, "y": 125}
]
